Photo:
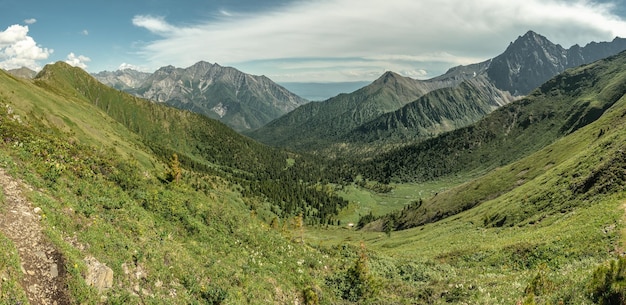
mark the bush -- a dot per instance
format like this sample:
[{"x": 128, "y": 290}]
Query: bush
[{"x": 608, "y": 284}]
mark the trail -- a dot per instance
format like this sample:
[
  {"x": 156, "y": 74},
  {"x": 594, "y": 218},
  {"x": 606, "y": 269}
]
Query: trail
[{"x": 42, "y": 265}]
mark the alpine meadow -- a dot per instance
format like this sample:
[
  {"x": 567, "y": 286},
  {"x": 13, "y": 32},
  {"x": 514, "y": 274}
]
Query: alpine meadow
[{"x": 500, "y": 182}]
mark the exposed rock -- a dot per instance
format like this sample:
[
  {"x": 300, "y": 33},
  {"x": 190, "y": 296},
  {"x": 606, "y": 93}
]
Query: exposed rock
[
  {"x": 241, "y": 101},
  {"x": 532, "y": 59},
  {"x": 98, "y": 274}
]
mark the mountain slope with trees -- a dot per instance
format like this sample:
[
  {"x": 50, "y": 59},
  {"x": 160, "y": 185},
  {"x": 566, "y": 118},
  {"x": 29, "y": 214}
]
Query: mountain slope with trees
[
  {"x": 543, "y": 131},
  {"x": 354, "y": 123},
  {"x": 316, "y": 125}
]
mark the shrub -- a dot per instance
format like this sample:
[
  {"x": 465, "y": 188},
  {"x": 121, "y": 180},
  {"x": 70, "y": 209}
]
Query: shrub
[{"x": 608, "y": 284}]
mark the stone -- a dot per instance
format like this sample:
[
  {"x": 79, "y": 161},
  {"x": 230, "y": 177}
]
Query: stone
[
  {"x": 54, "y": 270},
  {"x": 41, "y": 255},
  {"x": 37, "y": 210},
  {"x": 98, "y": 274}
]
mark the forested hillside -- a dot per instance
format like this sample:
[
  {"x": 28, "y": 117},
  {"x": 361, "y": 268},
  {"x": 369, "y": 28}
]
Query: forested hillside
[
  {"x": 561, "y": 106},
  {"x": 542, "y": 132},
  {"x": 205, "y": 145}
]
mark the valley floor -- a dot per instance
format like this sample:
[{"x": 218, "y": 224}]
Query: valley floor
[{"x": 460, "y": 259}]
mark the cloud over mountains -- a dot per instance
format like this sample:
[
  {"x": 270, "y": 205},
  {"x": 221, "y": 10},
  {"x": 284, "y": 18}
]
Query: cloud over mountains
[
  {"x": 373, "y": 36},
  {"x": 17, "y": 49}
]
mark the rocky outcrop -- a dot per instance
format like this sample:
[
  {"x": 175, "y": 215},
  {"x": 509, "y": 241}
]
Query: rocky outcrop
[
  {"x": 241, "y": 101},
  {"x": 126, "y": 79},
  {"x": 532, "y": 59},
  {"x": 98, "y": 274}
]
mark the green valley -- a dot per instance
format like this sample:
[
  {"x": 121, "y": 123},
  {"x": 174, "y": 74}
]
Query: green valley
[{"x": 525, "y": 206}]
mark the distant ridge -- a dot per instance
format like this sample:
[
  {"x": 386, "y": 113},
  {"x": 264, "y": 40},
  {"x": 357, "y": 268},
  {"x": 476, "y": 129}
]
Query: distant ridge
[
  {"x": 532, "y": 59},
  {"x": 23, "y": 72},
  {"x": 241, "y": 101},
  {"x": 353, "y": 122}
]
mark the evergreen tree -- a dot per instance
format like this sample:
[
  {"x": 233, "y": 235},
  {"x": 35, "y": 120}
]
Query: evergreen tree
[{"x": 175, "y": 172}]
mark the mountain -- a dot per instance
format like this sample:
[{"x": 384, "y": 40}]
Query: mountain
[
  {"x": 532, "y": 59},
  {"x": 166, "y": 206},
  {"x": 559, "y": 107},
  {"x": 433, "y": 113},
  {"x": 239, "y": 100},
  {"x": 125, "y": 80},
  {"x": 140, "y": 194},
  {"x": 365, "y": 120},
  {"x": 317, "y": 125},
  {"x": 23, "y": 72}
]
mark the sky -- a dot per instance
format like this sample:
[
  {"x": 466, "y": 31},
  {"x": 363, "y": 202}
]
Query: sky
[{"x": 292, "y": 40}]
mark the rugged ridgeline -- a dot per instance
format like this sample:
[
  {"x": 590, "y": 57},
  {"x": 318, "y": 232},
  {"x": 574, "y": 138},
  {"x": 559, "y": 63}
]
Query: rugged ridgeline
[
  {"x": 23, "y": 72},
  {"x": 239, "y": 100},
  {"x": 125, "y": 80},
  {"x": 318, "y": 125},
  {"x": 546, "y": 131},
  {"x": 532, "y": 59},
  {"x": 356, "y": 123}
]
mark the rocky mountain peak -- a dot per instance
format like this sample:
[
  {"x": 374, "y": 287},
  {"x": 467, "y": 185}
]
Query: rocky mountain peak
[
  {"x": 388, "y": 78},
  {"x": 241, "y": 101}
]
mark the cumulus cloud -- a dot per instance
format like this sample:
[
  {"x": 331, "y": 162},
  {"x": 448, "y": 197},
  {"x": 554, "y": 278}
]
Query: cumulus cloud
[
  {"x": 77, "y": 61},
  {"x": 17, "y": 49},
  {"x": 401, "y": 32},
  {"x": 125, "y": 66},
  {"x": 30, "y": 21}
]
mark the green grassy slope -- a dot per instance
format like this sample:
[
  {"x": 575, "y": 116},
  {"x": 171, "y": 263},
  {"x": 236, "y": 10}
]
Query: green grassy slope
[
  {"x": 103, "y": 193},
  {"x": 209, "y": 146},
  {"x": 596, "y": 98},
  {"x": 532, "y": 232},
  {"x": 559, "y": 107}
]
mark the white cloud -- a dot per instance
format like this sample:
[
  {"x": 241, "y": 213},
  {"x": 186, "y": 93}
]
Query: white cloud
[
  {"x": 17, "y": 49},
  {"x": 406, "y": 32},
  {"x": 77, "y": 61},
  {"x": 125, "y": 66},
  {"x": 85, "y": 32},
  {"x": 153, "y": 24},
  {"x": 30, "y": 21}
]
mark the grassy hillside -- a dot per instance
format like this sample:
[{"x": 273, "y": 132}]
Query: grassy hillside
[
  {"x": 104, "y": 193},
  {"x": 546, "y": 229},
  {"x": 215, "y": 229},
  {"x": 209, "y": 146},
  {"x": 559, "y": 107}
]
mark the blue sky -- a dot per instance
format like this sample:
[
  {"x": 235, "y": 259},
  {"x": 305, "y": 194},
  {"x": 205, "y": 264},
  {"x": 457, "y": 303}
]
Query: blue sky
[{"x": 292, "y": 40}]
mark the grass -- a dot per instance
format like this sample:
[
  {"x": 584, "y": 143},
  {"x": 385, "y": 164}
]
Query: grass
[
  {"x": 535, "y": 229},
  {"x": 363, "y": 201}
]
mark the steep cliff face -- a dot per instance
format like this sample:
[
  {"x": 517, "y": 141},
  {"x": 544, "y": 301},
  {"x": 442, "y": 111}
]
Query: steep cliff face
[
  {"x": 239, "y": 100},
  {"x": 125, "y": 79},
  {"x": 532, "y": 59}
]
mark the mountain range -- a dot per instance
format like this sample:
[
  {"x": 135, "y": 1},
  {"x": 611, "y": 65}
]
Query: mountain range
[
  {"x": 394, "y": 109},
  {"x": 523, "y": 206},
  {"x": 241, "y": 101}
]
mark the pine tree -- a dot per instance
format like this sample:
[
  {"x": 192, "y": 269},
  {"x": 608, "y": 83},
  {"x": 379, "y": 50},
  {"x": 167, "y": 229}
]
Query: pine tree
[{"x": 175, "y": 172}]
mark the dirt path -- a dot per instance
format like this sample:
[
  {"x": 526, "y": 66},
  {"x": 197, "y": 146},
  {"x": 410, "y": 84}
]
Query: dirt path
[{"x": 43, "y": 266}]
